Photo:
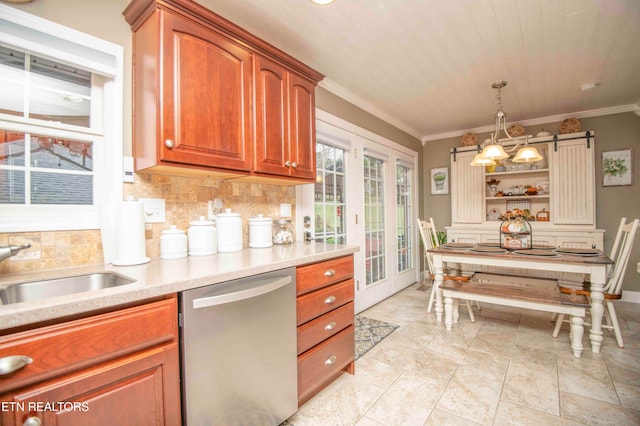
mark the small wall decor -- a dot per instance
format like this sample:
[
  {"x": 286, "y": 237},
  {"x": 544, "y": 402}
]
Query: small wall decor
[
  {"x": 617, "y": 167},
  {"x": 439, "y": 181}
]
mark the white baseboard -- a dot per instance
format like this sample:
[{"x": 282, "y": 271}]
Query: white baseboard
[{"x": 631, "y": 296}]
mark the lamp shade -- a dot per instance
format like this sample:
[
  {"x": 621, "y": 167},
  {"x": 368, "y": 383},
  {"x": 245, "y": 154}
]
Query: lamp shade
[
  {"x": 479, "y": 160},
  {"x": 494, "y": 152},
  {"x": 527, "y": 154}
]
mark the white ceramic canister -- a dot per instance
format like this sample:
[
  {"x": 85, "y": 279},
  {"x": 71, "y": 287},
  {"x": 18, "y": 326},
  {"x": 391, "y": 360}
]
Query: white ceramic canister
[
  {"x": 203, "y": 238},
  {"x": 229, "y": 231},
  {"x": 260, "y": 232},
  {"x": 173, "y": 243}
]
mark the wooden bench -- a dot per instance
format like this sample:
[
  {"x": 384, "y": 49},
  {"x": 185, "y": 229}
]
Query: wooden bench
[{"x": 519, "y": 292}]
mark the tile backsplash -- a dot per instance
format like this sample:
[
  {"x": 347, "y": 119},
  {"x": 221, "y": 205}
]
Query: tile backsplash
[{"x": 186, "y": 198}]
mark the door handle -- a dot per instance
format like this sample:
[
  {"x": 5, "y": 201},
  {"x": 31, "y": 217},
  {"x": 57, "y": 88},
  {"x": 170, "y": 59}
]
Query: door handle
[{"x": 256, "y": 287}]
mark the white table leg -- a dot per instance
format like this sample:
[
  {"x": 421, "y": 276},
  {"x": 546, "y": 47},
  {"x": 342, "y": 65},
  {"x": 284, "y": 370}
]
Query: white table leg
[
  {"x": 448, "y": 312},
  {"x": 456, "y": 311},
  {"x": 575, "y": 335},
  {"x": 597, "y": 309},
  {"x": 439, "y": 277}
]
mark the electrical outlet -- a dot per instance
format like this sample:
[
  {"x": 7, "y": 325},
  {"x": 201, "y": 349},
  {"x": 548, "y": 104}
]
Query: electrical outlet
[
  {"x": 285, "y": 210},
  {"x": 154, "y": 210}
]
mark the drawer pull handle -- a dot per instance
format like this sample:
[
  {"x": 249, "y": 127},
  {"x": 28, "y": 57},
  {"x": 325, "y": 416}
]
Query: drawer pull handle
[
  {"x": 330, "y": 360},
  {"x": 330, "y": 326},
  {"x": 32, "y": 421},
  {"x": 9, "y": 364},
  {"x": 329, "y": 300},
  {"x": 330, "y": 272}
]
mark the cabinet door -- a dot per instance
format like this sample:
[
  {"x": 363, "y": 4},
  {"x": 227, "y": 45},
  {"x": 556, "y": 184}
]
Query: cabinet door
[
  {"x": 467, "y": 190},
  {"x": 272, "y": 118},
  {"x": 142, "y": 389},
  {"x": 302, "y": 127},
  {"x": 572, "y": 183},
  {"x": 205, "y": 96}
]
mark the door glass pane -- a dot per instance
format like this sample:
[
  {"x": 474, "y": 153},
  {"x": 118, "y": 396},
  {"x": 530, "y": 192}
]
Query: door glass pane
[
  {"x": 375, "y": 255},
  {"x": 405, "y": 218},
  {"x": 330, "y": 195}
]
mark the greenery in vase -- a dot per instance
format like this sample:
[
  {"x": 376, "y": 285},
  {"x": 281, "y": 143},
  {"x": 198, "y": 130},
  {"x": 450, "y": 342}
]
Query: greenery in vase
[
  {"x": 439, "y": 177},
  {"x": 614, "y": 166}
]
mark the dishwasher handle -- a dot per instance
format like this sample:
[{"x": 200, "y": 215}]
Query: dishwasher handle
[{"x": 257, "y": 287}]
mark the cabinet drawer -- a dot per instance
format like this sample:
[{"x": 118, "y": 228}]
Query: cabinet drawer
[
  {"x": 322, "y": 274},
  {"x": 314, "y": 304},
  {"x": 73, "y": 345},
  {"x": 325, "y": 326},
  {"x": 320, "y": 365}
]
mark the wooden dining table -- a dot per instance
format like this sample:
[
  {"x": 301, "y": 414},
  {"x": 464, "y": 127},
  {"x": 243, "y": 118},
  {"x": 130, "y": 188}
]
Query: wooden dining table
[{"x": 595, "y": 265}]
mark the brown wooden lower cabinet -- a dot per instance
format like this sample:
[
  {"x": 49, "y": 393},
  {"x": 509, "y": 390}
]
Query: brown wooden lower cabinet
[
  {"x": 118, "y": 368},
  {"x": 326, "y": 334}
]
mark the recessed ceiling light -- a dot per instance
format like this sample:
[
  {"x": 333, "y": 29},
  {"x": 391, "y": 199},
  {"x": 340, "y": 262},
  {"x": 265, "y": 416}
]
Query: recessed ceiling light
[{"x": 322, "y": 1}]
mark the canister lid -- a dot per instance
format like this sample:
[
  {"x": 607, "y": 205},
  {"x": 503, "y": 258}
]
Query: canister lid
[
  {"x": 201, "y": 222},
  {"x": 228, "y": 213},
  {"x": 260, "y": 219},
  {"x": 173, "y": 230}
]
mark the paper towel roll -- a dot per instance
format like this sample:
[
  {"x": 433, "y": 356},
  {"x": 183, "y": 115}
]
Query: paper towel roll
[{"x": 131, "y": 247}]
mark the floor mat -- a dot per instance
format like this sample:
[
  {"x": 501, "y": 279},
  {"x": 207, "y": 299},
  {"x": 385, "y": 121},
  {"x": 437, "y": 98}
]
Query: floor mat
[{"x": 370, "y": 332}]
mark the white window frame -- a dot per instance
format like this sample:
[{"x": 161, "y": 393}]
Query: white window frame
[{"x": 40, "y": 37}]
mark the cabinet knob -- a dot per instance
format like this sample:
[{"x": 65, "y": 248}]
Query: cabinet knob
[
  {"x": 294, "y": 164},
  {"x": 32, "y": 421},
  {"x": 330, "y": 326},
  {"x": 330, "y": 360},
  {"x": 329, "y": 272},
  {"x": 287, "y": 163},
  {"x": 9, "y": 364},
  {"x": 329, "y": 300},
  {"x": 169, "y": 143}
]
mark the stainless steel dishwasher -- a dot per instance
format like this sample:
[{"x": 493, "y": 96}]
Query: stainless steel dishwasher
[{"x": 239, "y": 356}]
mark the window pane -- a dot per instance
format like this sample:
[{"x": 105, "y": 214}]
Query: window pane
[
  {"x": 59, "y": 93},
  {"x": 61, "y": 154},
  {"x": 11, "y": 186},
  {"x": 12, "y": 76},
  {"x": 56, "y": 188},
  {"x": 12, "y": 148}
]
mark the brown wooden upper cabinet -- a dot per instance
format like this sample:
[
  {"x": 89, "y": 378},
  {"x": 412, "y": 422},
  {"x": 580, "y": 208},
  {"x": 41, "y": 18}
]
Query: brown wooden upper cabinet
[{"x": 210, "y": 96}]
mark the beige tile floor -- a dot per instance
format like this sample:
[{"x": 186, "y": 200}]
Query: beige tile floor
[{"x": 505, "y": 369}]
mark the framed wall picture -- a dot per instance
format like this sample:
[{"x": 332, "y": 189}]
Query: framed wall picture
[
  {"x": 439, "y": 181},
  {"x": 617, "y": 167}
]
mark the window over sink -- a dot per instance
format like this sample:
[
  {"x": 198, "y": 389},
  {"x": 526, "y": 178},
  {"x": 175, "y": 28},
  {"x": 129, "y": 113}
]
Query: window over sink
[{"x": 60, "y": 125}]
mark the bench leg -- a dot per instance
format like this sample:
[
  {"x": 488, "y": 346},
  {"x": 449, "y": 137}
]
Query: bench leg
[
  {"x": 448, "y": 312},
  {"x": 556, "y": 328},
  {"x": 456, "y": 311},
  {"x": 576, "y": 333}
]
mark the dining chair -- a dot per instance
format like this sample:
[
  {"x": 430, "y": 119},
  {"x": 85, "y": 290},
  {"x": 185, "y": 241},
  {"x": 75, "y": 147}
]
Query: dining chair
[
  {"x": 430, "y": 240},
  {"x": 620, "y": 253}
]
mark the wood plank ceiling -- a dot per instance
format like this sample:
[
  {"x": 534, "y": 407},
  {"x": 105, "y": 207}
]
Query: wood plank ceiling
[{"x": 427, "y": 66}]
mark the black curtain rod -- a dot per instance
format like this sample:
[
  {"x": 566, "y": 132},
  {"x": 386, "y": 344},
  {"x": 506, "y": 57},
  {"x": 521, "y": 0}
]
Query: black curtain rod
[{"x": 553, "y": 139}]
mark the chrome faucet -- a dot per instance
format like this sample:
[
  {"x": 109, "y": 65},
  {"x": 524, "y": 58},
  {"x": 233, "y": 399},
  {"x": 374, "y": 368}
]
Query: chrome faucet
[{"x": 9, "y": 251}]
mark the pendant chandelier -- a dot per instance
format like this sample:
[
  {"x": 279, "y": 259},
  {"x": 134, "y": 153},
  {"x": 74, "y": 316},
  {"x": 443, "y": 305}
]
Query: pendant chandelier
[{"x": 493, "y": 150}]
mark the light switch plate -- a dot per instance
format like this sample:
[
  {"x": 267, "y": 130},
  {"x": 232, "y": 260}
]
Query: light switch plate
[
  {"x": 154, "y": 210},
  {"x": 127, "y": 170},
  {"x": 285, "y": 210}
]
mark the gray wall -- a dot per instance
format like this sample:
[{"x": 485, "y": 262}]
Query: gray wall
[{"x": 612, "y": 132}]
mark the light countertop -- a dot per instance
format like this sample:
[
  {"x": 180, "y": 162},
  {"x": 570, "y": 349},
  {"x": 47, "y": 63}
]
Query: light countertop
[{"x": 159, "y": 277}]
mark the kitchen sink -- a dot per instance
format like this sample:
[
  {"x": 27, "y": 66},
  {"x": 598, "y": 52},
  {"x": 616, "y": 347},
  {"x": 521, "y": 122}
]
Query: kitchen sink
[{"x": 36, "y": 290}]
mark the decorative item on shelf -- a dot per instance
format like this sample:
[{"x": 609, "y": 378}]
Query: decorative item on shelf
[
  {"x": 530, "y": 190},
  {"x": 493, "y": 150},
  {"x": 492, "y": 185},
  {"x": 494, "y": 214},
  {"x": 469, "y": 139},
  {"x": 542, "y": 134},
  {"x": 515, "y": 230},
  {"x": 570, "y": 125},
  {"x": 516, "y": 130},
  {"x": 543, "y": 188},
  {"x": 519, "y": 206},
  {"x": 542, "y": 216}
]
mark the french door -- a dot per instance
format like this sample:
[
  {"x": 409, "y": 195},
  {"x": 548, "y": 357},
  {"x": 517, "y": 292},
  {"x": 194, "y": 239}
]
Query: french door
[{"x": 364, "y": 195}]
